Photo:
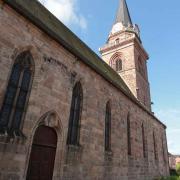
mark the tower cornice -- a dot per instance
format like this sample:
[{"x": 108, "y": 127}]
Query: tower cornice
[
  {"x": 109, "y": 47},
  {"x": 132, "y": 39},
  {"x": 129, "y": 30}
]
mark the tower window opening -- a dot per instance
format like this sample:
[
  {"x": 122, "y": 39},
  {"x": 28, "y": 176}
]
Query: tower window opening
[
  {"x": 117, "y": 41},
  {"x": 116, "y": 62},
  {"x": 17, "y": 95},
  {"x": 118, "y": 65}
]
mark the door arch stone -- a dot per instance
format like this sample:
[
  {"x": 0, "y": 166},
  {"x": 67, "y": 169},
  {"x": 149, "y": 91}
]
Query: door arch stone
[
  {"x": 43, "y": 152},
  {"x": 50, "y": 121}
]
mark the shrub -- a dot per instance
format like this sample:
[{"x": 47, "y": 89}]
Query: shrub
[
  {"x": 169, "y": 178},
  {"x": 173, "y": 172},
  {"x": 178, "y": 169}
]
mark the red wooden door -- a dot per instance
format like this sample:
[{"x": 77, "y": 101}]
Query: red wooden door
[{"x": 41, "y": 163}]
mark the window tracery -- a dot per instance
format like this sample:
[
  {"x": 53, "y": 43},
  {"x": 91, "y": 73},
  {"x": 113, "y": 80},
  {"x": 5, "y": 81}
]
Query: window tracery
[
  {"x": 16, "y": 96},
  {"x": 75, "y": 115}
]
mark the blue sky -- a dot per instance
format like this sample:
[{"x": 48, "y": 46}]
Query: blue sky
[{"x": 160, "y": 34}]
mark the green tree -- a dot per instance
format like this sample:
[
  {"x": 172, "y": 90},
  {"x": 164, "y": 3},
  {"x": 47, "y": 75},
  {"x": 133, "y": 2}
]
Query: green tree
[{"x": 178, "y": 169}]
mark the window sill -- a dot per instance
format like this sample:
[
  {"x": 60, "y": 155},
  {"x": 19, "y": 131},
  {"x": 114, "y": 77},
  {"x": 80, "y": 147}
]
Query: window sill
[
  {"x": 108, "y": 157},
  {"x": 73, "y": 153},
  {"x": 108, "y": 153},
  {"x": 75, "y": 148},
  {"x": 15, "y": 137},
  {"x": 4, "y": 138}
]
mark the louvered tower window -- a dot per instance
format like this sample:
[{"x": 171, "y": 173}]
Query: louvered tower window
[
  {"x": 118, "y": 65},
  {"x": 16, "y": 96},
  {"x": 108, "y": 127},
  {"x": 75, "y": 115},
  {"x": 116, "y": 62}
]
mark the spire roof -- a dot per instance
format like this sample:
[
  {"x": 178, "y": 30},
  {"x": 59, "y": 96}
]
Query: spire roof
[{"x": 123, "y": 14}]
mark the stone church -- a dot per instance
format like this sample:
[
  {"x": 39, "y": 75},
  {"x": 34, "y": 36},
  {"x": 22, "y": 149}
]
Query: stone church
[{"x": 66, "y": 113}]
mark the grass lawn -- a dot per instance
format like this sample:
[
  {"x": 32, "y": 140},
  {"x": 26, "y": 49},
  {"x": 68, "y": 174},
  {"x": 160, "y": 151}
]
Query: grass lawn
[{"x": 170, "y": 178}]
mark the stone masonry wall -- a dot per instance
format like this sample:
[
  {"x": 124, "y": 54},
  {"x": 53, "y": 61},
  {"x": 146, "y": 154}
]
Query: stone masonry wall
[
  {"x": 56, "y": 71},
  {"x": 129, "y": 50}
]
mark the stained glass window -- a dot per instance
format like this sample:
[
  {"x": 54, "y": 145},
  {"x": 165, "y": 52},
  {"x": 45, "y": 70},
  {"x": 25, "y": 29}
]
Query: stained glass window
[
  {"x": 129, "y": 134},
  {"x": 108, "y": 127},
  {"x": 16, "y": 94},
  {"x": 75, "y": 115}
]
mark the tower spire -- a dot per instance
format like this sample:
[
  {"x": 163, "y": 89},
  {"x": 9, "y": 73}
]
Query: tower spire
[{"x": 123, "y": 15}]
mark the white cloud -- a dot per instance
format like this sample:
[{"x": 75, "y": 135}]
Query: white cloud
[
  {"x": 171, "y": 117},
  {"x": 66, "y": 11}
]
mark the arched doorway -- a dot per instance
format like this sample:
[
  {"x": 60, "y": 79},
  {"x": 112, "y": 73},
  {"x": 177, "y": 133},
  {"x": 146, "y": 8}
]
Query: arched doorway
[{"x": 42, "y": 158}]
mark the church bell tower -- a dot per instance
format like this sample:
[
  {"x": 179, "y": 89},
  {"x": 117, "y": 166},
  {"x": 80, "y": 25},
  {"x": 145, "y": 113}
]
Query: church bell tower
[{"x": 124, "y": 52}]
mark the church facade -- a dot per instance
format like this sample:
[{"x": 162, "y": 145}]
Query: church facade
[{"x": 67, "y": 114}]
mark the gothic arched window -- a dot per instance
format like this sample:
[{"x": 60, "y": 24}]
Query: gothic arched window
[
  {"x": 143, "y": 141},
  {"x": 116, "y": 62},
  {"x": 164, "y": 155},
  {"x": 75, "y": 115},
  {"x": 108, "y": 127},
  {"x": 155, "y": 147},
  {"x": 118, "y": 65},
  {"x": 129, "y": 134},
  {"x": 17, "y": 93}
]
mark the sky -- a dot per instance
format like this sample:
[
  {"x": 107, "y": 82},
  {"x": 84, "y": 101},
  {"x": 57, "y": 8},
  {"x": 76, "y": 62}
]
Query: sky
[{"x": 159, "y": 23}]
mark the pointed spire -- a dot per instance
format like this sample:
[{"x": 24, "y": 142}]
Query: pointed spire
[{"x": 123, "y": 14}]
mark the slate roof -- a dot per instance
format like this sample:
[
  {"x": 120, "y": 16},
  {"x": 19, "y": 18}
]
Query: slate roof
[
  {"x": 123, "y": 14},
  {"x": 46, "y": 21}
]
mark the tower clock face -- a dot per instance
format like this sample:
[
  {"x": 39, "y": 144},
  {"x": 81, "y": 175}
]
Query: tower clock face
[{"x": 117, "y": 27}]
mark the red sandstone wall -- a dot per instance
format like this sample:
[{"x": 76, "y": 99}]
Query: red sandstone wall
[{"x": 52, "y": 90}]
